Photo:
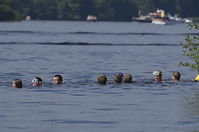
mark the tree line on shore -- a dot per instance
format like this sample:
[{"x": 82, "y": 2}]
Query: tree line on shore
[{"x": 107, "y": 10}]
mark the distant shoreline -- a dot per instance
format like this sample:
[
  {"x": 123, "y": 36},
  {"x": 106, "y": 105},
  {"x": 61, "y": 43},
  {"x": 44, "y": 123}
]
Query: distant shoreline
[{"x": 195, "y": 20}]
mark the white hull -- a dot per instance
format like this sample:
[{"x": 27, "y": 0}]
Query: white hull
[{"x": 159, "y": 22}]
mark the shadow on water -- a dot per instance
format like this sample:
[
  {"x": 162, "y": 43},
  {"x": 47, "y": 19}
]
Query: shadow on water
[
  {"x": 85, "y": 44},
  {"x": 79, "y": 122}
]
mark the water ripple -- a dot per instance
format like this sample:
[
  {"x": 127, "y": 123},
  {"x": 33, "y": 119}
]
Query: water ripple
[
  {"x": 88, "y": 33},
  {"x": 79, "y": 121},
  {"x": 86, "y": 44}
]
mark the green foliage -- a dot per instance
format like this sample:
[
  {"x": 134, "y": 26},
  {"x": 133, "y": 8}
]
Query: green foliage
[
  {"x": 118, "y": 10},
  {"x": 6, "y": 13},
  {"x": 191, "y": 48}
]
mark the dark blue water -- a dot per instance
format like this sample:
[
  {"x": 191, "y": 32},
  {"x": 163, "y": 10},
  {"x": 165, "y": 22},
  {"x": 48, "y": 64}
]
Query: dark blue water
[{"x": 81, "y": 51}]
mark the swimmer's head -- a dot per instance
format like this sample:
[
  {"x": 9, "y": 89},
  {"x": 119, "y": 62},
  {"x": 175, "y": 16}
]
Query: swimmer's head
[
  {"x": 101, "y": 79},
  {"x": 37, "y": 81},
  {"x": 118, "y": 77},
  {"x": 176, "y": 76},
  {"x": 118, "y": 74},
  {"x": 128, "y": 78},
  {"x": 57, "y": 79},
  {"x": 157, "y": 72},
  {"x": 17, "y": 83},
  {"x": 157, "y": 75}
]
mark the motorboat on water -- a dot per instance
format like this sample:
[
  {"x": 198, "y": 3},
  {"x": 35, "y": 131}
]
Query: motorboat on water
[
  {"x": 28, "y": 18},
  {"x": 159, "y": 17},
  {"x": 170, "y": 21},
  {"x": 188, "y": 20},
  {"x": 159, "y": 14},
  {"x": 91, "y": 18}
]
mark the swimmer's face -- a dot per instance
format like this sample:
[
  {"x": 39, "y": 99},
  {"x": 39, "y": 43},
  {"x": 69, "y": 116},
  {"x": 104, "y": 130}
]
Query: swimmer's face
[
  {"x": 57, "y": 80},
  {"x": 173, "y": 78},
  {"x": 36, "y": 84},
  {"x": 158, "y": 78},
  {"x": 14, "y": 85}
]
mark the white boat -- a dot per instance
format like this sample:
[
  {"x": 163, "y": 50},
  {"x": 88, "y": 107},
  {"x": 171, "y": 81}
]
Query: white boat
[
  {"x": 28, "y": 18},
  {"x": 91, "y": 18},
  {"x": 186, "y": 20}
]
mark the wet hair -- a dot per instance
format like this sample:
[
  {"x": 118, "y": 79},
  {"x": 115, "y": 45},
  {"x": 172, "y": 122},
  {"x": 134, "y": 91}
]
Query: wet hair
[
  {"x": 37, "y": 80},
  {"x": 18, "y": 83},
  {"x": 118, "y": 77},
  {"x": 58, "y": 76},
  {"x": 176, "y": 75},
  {"x": 128, "y": 78},
  {"x": 119, "y": 73},
  {"x": 101, "y": 79}
]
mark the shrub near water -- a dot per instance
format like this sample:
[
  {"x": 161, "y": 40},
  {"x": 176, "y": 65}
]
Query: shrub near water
[{"x": 191, "y": 48}]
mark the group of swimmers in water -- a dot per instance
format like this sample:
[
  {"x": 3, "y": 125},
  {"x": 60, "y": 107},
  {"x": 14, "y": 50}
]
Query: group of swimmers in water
[
  {"x": 37, "y": 81},
  {"x": 118, "y": 77},
  {"x": 101, "y": 79}
]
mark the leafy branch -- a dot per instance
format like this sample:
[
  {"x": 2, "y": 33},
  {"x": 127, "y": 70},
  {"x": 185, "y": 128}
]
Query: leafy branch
[{"x": 191, "y": 48}]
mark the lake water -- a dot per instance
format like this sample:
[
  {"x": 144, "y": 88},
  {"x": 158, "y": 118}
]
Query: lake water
[{"x": 80, "y": 51}]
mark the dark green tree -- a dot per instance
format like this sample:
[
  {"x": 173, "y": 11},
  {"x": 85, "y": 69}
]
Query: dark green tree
[
  {"x": 43, "y": 9},
  {"x": 117, "y": 10},
  {"x": 7, "y": 13},
  {"x": 68, "y": 9}
]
